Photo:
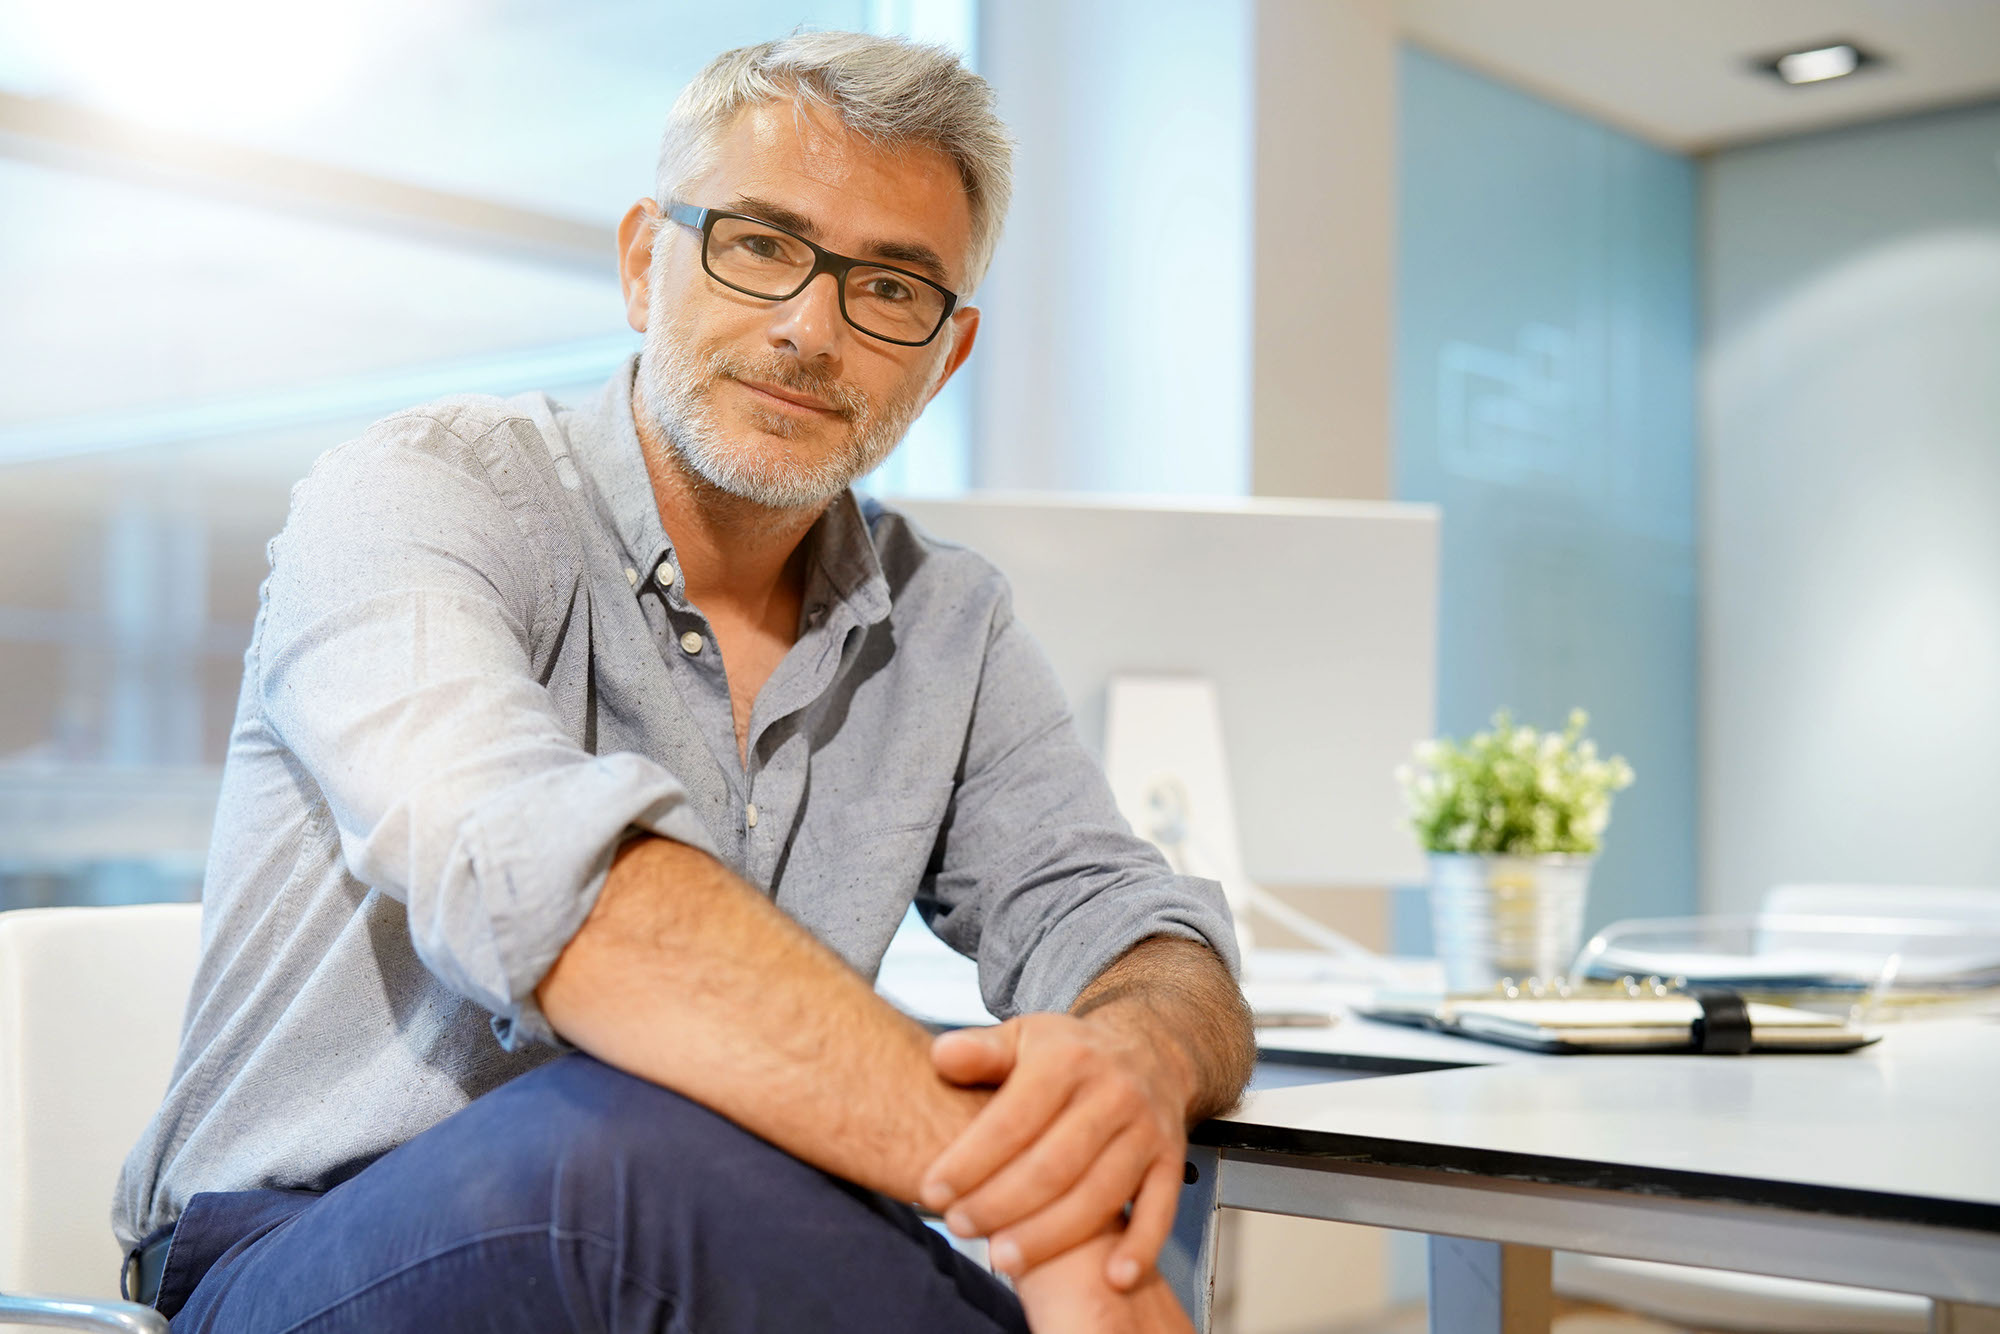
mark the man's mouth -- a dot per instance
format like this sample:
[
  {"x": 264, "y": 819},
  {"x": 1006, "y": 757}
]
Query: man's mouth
[{"x": 791, "y": 398}]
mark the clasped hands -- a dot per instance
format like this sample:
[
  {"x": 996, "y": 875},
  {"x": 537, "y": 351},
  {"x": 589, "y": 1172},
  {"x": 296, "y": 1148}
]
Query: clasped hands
[{"x": 1089, "y": 1115}]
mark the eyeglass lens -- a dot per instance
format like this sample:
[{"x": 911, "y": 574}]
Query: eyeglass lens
[{"x": 771, "y": 264}]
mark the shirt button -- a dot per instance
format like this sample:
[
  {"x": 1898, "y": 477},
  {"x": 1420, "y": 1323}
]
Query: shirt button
[
  {"x": 690, "y": 642},
  {"x": 631, "y": 576},
  {"x": 750, "y": 815},
  {"x": 666, "y": 574}
]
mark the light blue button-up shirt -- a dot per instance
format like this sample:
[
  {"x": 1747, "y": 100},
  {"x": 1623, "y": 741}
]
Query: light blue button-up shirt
[{"x": 474, "y": 672}]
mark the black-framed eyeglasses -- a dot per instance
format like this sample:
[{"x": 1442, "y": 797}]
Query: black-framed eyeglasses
[{"x": 764, "y": 260}]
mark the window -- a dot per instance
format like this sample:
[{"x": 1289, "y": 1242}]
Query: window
[{"x": 214, "y": 276}]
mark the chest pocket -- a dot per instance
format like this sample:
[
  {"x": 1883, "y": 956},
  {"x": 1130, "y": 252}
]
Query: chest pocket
[{"x": 858, "y": 865}]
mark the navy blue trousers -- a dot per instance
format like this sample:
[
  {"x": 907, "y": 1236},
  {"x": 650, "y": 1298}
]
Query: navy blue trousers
[{"x": 575, "y": 1198}]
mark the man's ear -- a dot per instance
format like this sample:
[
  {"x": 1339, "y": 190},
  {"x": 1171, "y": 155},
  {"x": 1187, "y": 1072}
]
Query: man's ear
[
  {"x": 964, "y": 329},
  {"x": 635, "y": 260}
]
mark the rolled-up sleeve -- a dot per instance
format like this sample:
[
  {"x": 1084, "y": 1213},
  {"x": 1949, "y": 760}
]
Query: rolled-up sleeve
[
  {"x": 396, "y": 660},
  {"x": 1037, "y": 875}
]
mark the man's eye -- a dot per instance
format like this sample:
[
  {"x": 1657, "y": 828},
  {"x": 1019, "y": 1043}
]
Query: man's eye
[
  {"x": 763, "y": 247},
  {"x": 884, "y": 288}
]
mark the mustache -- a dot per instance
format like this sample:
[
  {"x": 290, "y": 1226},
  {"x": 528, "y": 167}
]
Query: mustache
[{"x": 787, "y": 373}]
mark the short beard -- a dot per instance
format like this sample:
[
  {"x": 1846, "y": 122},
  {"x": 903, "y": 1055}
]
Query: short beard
[{"x": 677, "y": 383}]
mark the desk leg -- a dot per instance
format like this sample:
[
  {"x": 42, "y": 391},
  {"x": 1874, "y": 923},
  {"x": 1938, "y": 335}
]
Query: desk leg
[
  {"x": 1952, "y": 1318},
  {"x": 1187, "y": 1261},
  {"x": 1488, "y": 1287}
]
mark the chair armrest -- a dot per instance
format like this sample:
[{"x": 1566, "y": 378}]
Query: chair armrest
[{"x": 66, "y": 1313}]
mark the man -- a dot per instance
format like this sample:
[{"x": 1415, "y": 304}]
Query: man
[{"x": 627, "y": 731}]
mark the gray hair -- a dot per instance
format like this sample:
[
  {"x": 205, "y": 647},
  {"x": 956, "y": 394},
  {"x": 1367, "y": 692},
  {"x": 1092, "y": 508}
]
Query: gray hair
[{"x": 890, "y": 91}]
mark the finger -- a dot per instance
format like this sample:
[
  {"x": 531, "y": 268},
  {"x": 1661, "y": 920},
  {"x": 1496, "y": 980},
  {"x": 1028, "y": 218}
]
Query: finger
[
  {"x": 976, "y": 1055},
  {"x": 1092, "y": 1204},
  {"x": 1012, "y": 1119},
  {"x": 1018, "y": 1115},
  {"x": 1089, "y": 1135},
  {"x": 1152, "y": 1219}
]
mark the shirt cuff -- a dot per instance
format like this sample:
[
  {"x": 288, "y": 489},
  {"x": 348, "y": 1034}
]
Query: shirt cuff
[
  {"x": 540, "y": 852},
  {"x": 1095, "y": 934}
]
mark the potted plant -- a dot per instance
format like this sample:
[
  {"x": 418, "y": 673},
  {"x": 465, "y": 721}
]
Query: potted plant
[{"x": 1512, "y": 820}]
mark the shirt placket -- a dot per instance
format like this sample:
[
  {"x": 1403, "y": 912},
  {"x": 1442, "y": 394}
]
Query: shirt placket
[
  {"x": 687, "y": 642},
  {"x": 778, "y": 770}
]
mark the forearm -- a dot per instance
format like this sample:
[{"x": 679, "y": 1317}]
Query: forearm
[
  {"x": 686, "y": 976},
  {"x": 1178, "y": 994}
]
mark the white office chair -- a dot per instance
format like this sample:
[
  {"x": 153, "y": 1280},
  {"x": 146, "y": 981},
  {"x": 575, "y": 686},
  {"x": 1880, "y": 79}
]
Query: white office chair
[
  {"x": 1756, "y": 1304},
  {"x": 90, "y": 1015}
]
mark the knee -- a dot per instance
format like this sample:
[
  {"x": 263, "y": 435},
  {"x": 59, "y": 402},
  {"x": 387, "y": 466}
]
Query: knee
[{"x": 635, "y": 1182}]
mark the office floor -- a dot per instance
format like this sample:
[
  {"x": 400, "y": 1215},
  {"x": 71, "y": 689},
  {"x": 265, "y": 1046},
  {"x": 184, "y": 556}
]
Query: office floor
[{"x": 1570, "y": 1318}]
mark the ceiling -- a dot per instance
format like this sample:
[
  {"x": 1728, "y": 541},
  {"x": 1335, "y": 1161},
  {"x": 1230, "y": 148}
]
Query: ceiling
[{"x": 1678, "y": 72}]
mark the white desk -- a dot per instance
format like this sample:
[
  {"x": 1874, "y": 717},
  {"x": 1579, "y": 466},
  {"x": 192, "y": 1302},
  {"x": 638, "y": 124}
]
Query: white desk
[{"x": 1879, "y": 1168}]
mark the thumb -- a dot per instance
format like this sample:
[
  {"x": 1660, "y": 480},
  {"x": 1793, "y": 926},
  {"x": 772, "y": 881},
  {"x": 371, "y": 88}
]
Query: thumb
[{"x": 976, "y": 1055}]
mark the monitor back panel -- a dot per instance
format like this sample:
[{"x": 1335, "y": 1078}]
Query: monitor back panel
[{"x": 1317, "y": 620}]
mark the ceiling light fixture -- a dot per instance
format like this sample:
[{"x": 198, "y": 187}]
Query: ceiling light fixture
[{"x": 1828, "y": 60}]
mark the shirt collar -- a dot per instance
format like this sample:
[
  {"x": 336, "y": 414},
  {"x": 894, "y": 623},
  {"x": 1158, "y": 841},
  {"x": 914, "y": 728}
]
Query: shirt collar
[
  {"x": 609, "y": 454},
  {"x": 843, "y": 550},
  {"x": 843, "y": 563}
]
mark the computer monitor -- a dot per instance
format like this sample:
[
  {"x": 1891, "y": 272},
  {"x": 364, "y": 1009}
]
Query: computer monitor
[{"x": 1316, "y": 621}]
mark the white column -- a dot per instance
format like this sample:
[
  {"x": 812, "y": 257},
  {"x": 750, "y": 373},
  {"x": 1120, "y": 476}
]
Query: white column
[
  {"x": 1325, "y": 228},
  {"x": 1115, "y": 353}
]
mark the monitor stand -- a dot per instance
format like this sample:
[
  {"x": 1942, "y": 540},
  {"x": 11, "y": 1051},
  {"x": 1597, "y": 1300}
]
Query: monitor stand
[{"x": 1169, "y": 771}]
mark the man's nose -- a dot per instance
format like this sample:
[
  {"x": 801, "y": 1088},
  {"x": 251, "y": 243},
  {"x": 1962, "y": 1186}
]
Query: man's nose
[{"x": 810, "y": 324}]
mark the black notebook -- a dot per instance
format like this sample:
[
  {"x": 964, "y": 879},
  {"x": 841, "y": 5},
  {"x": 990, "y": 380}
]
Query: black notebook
[{"x": 1709, "y": 1022}]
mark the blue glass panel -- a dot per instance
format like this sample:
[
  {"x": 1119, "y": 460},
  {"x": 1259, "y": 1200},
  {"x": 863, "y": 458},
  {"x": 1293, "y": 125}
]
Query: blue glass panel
[{"x": 1545, "y": 398}]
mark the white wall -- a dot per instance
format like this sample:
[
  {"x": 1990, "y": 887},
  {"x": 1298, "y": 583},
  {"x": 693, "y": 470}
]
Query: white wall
[
  {"x": 1194, "y": 291},
  {"x": 1850, "y": 589}
]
